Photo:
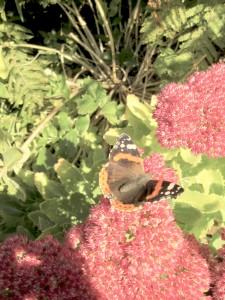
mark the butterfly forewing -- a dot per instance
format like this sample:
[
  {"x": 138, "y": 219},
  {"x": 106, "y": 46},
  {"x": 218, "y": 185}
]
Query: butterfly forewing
[{"x": 123, "y": 147}]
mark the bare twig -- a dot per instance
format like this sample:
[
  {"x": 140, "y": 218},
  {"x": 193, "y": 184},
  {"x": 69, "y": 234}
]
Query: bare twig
[
  {"x": 131, "y": 23},
  {"x": 97, "y": 59},
  {"x": 111, "y": 39},
  {"x": 101, "y": 47}
]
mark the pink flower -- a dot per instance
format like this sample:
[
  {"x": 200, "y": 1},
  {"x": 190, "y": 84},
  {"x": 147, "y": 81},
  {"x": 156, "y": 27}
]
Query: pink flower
[
  {"x": 155, "y": 165},
  {"x": 191, "y": 115},
  {"x": 217, "y": 267},
  {"x": 41, "y": 269},
  {"x": 140, "y": 255}
]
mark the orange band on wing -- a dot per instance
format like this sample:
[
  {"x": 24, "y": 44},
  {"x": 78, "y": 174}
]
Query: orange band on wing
[
  {"x": 125, "y": 207},
  {"x": 127, "y": 156},
  {"x": 103, "y": 179},
  {"x": 156, "y": 190}
]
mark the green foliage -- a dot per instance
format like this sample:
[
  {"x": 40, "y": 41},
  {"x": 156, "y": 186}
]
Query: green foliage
[
  {"x": 188, "y": 37},
  {"x": 28, "y": 87},
  {"x": 55, "y": 180},
  {"x": 203, "y": 200}
]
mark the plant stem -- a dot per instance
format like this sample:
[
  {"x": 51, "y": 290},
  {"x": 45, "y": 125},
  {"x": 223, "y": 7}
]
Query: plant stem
[
  {"x": 111, "y": 39},
  {"x": 131, "y": 23}
]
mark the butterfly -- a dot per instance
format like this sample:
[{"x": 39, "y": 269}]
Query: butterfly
[{"x": 124, "y": 181}]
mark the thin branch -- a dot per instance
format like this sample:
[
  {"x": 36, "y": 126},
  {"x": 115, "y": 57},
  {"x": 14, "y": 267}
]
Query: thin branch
[
  {"x": 95, "y": 57},
  {"x": 74, "y": 58},
  {"x": 145, "y": 66},
  {"x": 46, "y": 49},
  {"x": 118, "y": 43},
  {"x": 85, "y": 28},
  {"x": 111, "y": 39},
  {"x": 101, "y": 47},
  {"x": 42, "y": 125},
  {"x": 131, "y": 24},
  {"x": 73, "y": 22},
  {"x": 78, "y": 155}
]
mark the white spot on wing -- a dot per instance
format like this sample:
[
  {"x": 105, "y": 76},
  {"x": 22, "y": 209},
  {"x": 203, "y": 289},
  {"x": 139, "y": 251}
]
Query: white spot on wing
[
  {"x": 171, "y": 186},
  {"x": 167, "y": 193},
  {"x": 131, "y": 147}
]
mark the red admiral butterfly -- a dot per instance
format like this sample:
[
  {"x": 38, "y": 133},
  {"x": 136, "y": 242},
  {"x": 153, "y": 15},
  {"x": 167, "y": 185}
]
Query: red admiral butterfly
[{"x": 124, "y": 181}]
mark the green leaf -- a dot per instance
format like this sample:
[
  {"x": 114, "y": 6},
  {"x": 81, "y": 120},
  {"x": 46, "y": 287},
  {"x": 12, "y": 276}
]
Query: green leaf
[
  {"x": 189, "y": 157},
  {"x": 113, "y": 8},
  {"x": 68, "y": 145},
  {"x": 72, "y": 210},
  {"x": 4, "y": 66},
  {"x": 28, "y": 178},
  {"x": 3, "y": 91},
  {"x": 140, "y": 110},
  {"x": 71, "y": 138},
  {"x": 2, "y": 10},
  {"x": 24, "y": 232},
  {"x": 50, "y": 133},
  {"x": 139, "y": 115},
  {"x": 18, "y": 6},
  {"x": 64, "y": 121},
  {"x": 11, "y": 157},
  {"x": 87, "y": 105},
  {"x": 69, "y": 175},
  {"x": 185, "y": 214},
  {"x": 202, "y": 226},
  {"x": 48, "y": 188},
  {"x": 58, "y": 231},
  {"x": 95, "y": 97},
  {"x": 14, "y": 188},
  {"x": 126, "y": 58},
  {"x": 216, "y": 242},
  {"x": 203, "y": 202},
  {"x": 82, "y": 124},
  {"x": 172, "y": 64},
  {"x": 112, "y": 112},
  {"x": 41, "y": 220},
  {"x": 11, "y": 206},
  {"x": 45, "y": 160},
  {"x": 211, "y": 181},
  {"x": 5, "y": 143},
  {"x": 193, "y": 220}
]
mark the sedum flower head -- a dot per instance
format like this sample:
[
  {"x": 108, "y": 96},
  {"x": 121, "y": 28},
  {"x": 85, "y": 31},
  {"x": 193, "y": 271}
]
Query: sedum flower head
[
  {"x": 192, "y": 114},
  {"x": 155, "y": 165},
  {"x": 41, "y": 269},
  {"x": 139, "y": 255},
  {"x": 217, "y": 267}
]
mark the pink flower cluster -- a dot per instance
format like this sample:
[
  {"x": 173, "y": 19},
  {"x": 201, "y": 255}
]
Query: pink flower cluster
[
  {"x": 113, "y": 255},
  {"x": 191, "y": 115},
  {"x": 139, "y": 255},
  {"x": 44, "y": 269},
  {"x": 155, "y": 165},
  {"x": 217, "y": 267}
]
